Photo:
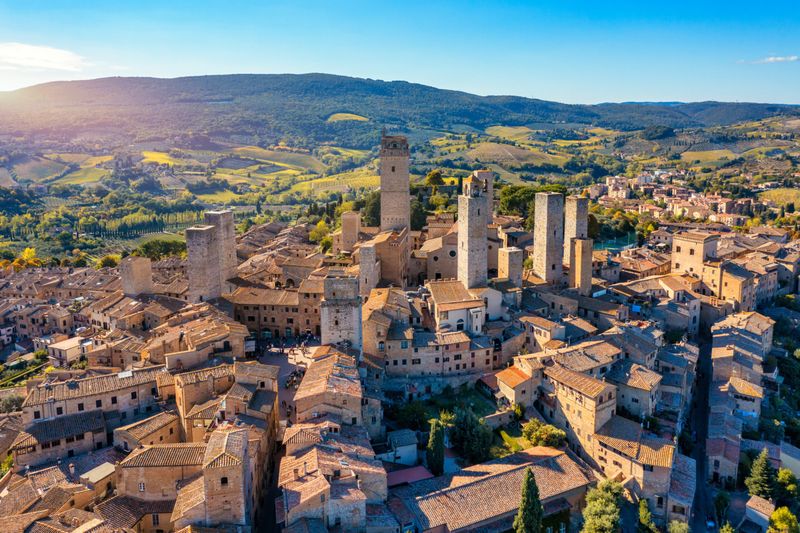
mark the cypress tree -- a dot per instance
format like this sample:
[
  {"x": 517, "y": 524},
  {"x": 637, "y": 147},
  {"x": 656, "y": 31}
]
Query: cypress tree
[
  {"x": 646, "y": 524},
  {"x": 435, "y": 450},
  {"x": 529, "y": 516},
  {"x": 761, "y": 481}
]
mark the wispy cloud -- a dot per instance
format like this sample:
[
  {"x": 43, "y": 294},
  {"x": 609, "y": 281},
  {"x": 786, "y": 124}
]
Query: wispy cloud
[
  {"x": 20, "y": 56},
  {"x": 773, "y": 59}
]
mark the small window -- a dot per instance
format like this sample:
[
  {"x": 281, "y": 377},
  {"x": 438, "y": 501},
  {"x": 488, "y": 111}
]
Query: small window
[
  {"x": 114, "y": 400},
  {"x": 133, "y": 395},
  {"x": 223, "y": 481},
  {"x": 141, "y": 487},
  {"x": 80, "y": 407},
  {"x": 98, "y": 403},
  {"x": 59, "y": 410}
]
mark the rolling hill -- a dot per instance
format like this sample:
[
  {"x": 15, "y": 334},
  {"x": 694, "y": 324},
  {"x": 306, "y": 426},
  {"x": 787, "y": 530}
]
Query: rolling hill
[{"x": 296, "y": 109}]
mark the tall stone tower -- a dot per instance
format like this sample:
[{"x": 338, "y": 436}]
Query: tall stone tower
[
  {"x": 226, "y": 240},
  {"x": 548, "y": 237},
  {"x": 472, "y": 243},
  {"x": 351, "y": 227},
  {"x": 137, "y": 275},
  {"x": 340, "y": 309},
  {"x": 580, "y": 266},
  {"x": 395, "y": 199},
  {"x": 226, "y": 478},
  {"x": 576, "y": 222},
  {"x": 509, "y": 264},
  {"x": 211, "y": 250},
  {"x": 487, "y": 176}
]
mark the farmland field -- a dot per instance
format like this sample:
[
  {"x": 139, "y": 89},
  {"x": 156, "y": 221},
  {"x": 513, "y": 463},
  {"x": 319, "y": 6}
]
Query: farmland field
[
  {"x": 362, "y": 177},
  {"x": 38, "y": 169},
  {"x": 84, "y": 176},
  {"x": 301, "y": 161},
  {"x": 338, "y": 117},
  {"x": 707, "y": 156},
  {"x": 782, "y": 196}
]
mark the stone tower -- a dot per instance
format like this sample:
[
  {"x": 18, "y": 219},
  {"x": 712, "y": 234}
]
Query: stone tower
[
  {"x": 369, "y": 268},
  {"x": 395, "y": 199},
  {"x": 211, "y": 250},
  {"x": 472, "y": 243},
  {"x": 351, "y": 227},
  {"x": 487, "y": 176},
  {"x": 226, "y": 478},
  {"x": 576, "y": 222},
  {"x": 509, "y": 265},
  {"x": 340, "y": 309},
  {"x": 226, "y": 239},
  {"x": 580, "y": 267},
  {"x": 137, "y": 275},
  {"x": 548, "y": 237}
]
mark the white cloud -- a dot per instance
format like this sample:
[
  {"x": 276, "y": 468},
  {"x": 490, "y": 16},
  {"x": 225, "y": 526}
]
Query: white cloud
[
  {"x": 778, "y": 59},
  {"x": 20, "y": 56}
]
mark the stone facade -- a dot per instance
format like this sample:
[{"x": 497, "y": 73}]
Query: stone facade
[
  {"x": 472, "y": 251},
  {"x": 211, "y": 250},
  {"x": 576, "y": 223},
  {"x": 340, "y": 309},
  {"x": 137, "y": 275},
  {"x": 548, "y": 237},
  {"x": 580, "y": 267},
  {"x": 395, "y": 200},
  {"x": 509, "y": 265}
]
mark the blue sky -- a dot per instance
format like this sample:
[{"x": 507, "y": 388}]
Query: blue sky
[{"x": 569, "y": 51}]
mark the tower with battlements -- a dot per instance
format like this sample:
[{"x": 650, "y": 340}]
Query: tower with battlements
[
  {"x": 395, "y": 199},
  {"x": 472, "y": 237},
  {"x": 340, "y": 309},
  {"x": 548, "y": 237}
]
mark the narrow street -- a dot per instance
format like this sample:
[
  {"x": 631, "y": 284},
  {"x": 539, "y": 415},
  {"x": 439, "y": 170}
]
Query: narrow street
[{"x": 703, "y": 505}]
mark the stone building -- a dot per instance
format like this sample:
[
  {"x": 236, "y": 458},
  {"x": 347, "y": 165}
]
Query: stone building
[
  {"x": 395, "y": 200},
  {"x": 576, "y": 223},
  {"x": 137, "y": 275},
  {"x": 548, "y": 237},
  {"x": 211, "y": 251},
  {"x": 580, "y": 266},
  {"x": 509, "y": 265},
  {"x": 472, "y": 246},
  {"x": 340, "y": 309}
]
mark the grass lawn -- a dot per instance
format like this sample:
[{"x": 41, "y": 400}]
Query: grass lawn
[
  {"x": 508, "y": 440},
  {"x": 338, "y": 117},
  {"x": 707, "y": 156}
]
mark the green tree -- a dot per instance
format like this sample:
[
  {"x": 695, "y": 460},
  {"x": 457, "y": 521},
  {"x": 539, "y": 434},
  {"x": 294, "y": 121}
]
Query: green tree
[
  {"x": 418, "y": 215},
  {"x": 434, "y": 178},
  {"x": 371, "y": 213},
  {"x": 412, "y": 415},
  {"x": 540, "y": 434},
  {"x": 435, "y": 450},
  {"x": 646, "y": 524},
  {"x": 721, "y": 502},
  {"x": 471, "y": 436},
  {"x": 727, "y": 528},
  {"x": 786, "y": 491},
  {"x": 108, "y": 261},
  {"x": 529, "y": 516},
  {"x": 761, "y": 481},
  {"x": 601, "y": 514},
  {"x": 783, "y": 521},
  {"x": 678, "y": 527}
]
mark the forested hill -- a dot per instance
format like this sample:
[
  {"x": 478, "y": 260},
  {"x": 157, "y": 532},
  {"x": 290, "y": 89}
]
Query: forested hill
[{"x": 311, "y": 108}]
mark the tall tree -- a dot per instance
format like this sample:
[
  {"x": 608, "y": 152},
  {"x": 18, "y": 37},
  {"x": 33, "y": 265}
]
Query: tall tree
[
  {"x": 646, "y": 524},
  {"x": 727, "y": 528},
  {"x": 601, "y": 514},
  {"x": 529, "y": 516},
  {"x": 435, "y": 451},
  {"x": 761, "y": 481},
  {"x": 783, "y": 521}
]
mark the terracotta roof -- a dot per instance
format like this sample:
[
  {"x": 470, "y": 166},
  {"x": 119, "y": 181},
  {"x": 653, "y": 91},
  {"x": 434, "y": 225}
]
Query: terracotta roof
[
  {"x": 189, "y": 496},
  {"x": 126, "y": 512},
  {"x": 61, "y": 427},
  {"x": 626, "y": 372},
  {"x": 627, "y": 437},
  {"x": 139, "y": 430},
  {"x": 204, "y": 374},
  {"x": 334, "y": 372},
  {"x": 487, "y": 491},
  {"x": 586, "y": 385},
  {"x": 760, "y": 505},
  {"x": 206, "y": 410},
  {"x": 225, "y": 448},
  {"x": 742, "y": 386},
  {"x": 79, "y": 388},
  {"x": 512, "y": 376},
  {"x": 180, "y": 454}
]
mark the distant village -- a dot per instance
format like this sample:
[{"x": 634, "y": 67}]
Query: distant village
[{"x": 260, "y": 385}]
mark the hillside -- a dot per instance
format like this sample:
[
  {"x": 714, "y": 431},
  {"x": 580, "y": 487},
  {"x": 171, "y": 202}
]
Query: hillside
[{"x": 298, "y": 109}]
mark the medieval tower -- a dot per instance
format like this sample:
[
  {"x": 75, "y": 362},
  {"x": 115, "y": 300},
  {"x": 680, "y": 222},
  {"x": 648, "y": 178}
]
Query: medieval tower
[
  {"x": 472, "y": 243},
  {"x": 340, "y": 309},
  {"x": 576, "y": 222},
  {"x": 395, "y": 200},
  {"x": 548, "y": 237},
  {"x": 211, "y": 250},
  {"x": 509, "y": 265},
  {"x": 137, "y": 275},
  {"x": 580, "y": 267}
]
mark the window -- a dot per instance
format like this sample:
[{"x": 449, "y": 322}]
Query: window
[
  {"x": 381, "y": 346},
  {"x": 155, "y": 519},
  {"x": 223, "y": 481},
  {"x": 80, "y": 407},
  {"x": 113, "y": 400},
  {"x": 404, "y": 344},
  {"x": 141, "y": 487},
  {"x": 416, "y": 361},
  {"x": 59, "y": 410},
  {"x": 98, "y": 403},
  {"x": 678, "y": 249},
  {"x": 133, "y": 395},
  {"x": 37, "y": 414}
]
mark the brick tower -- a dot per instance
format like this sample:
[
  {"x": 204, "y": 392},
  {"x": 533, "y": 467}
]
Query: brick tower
[
  {"x": 472, "y": 243},
  {"x": 576, "y": 222},
  {"x": 548, "y": 237}
]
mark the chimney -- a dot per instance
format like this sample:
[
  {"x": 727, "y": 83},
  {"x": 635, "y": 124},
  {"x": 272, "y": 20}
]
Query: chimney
[
  {"x": 72, "y": 469},
  {"x": 305, "y": 468},
  {"x": 297, "y": 473}
]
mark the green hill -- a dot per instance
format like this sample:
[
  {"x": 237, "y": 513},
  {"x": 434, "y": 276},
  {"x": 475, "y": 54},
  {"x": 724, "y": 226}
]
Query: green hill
[{"x": 266, "y": 109}]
